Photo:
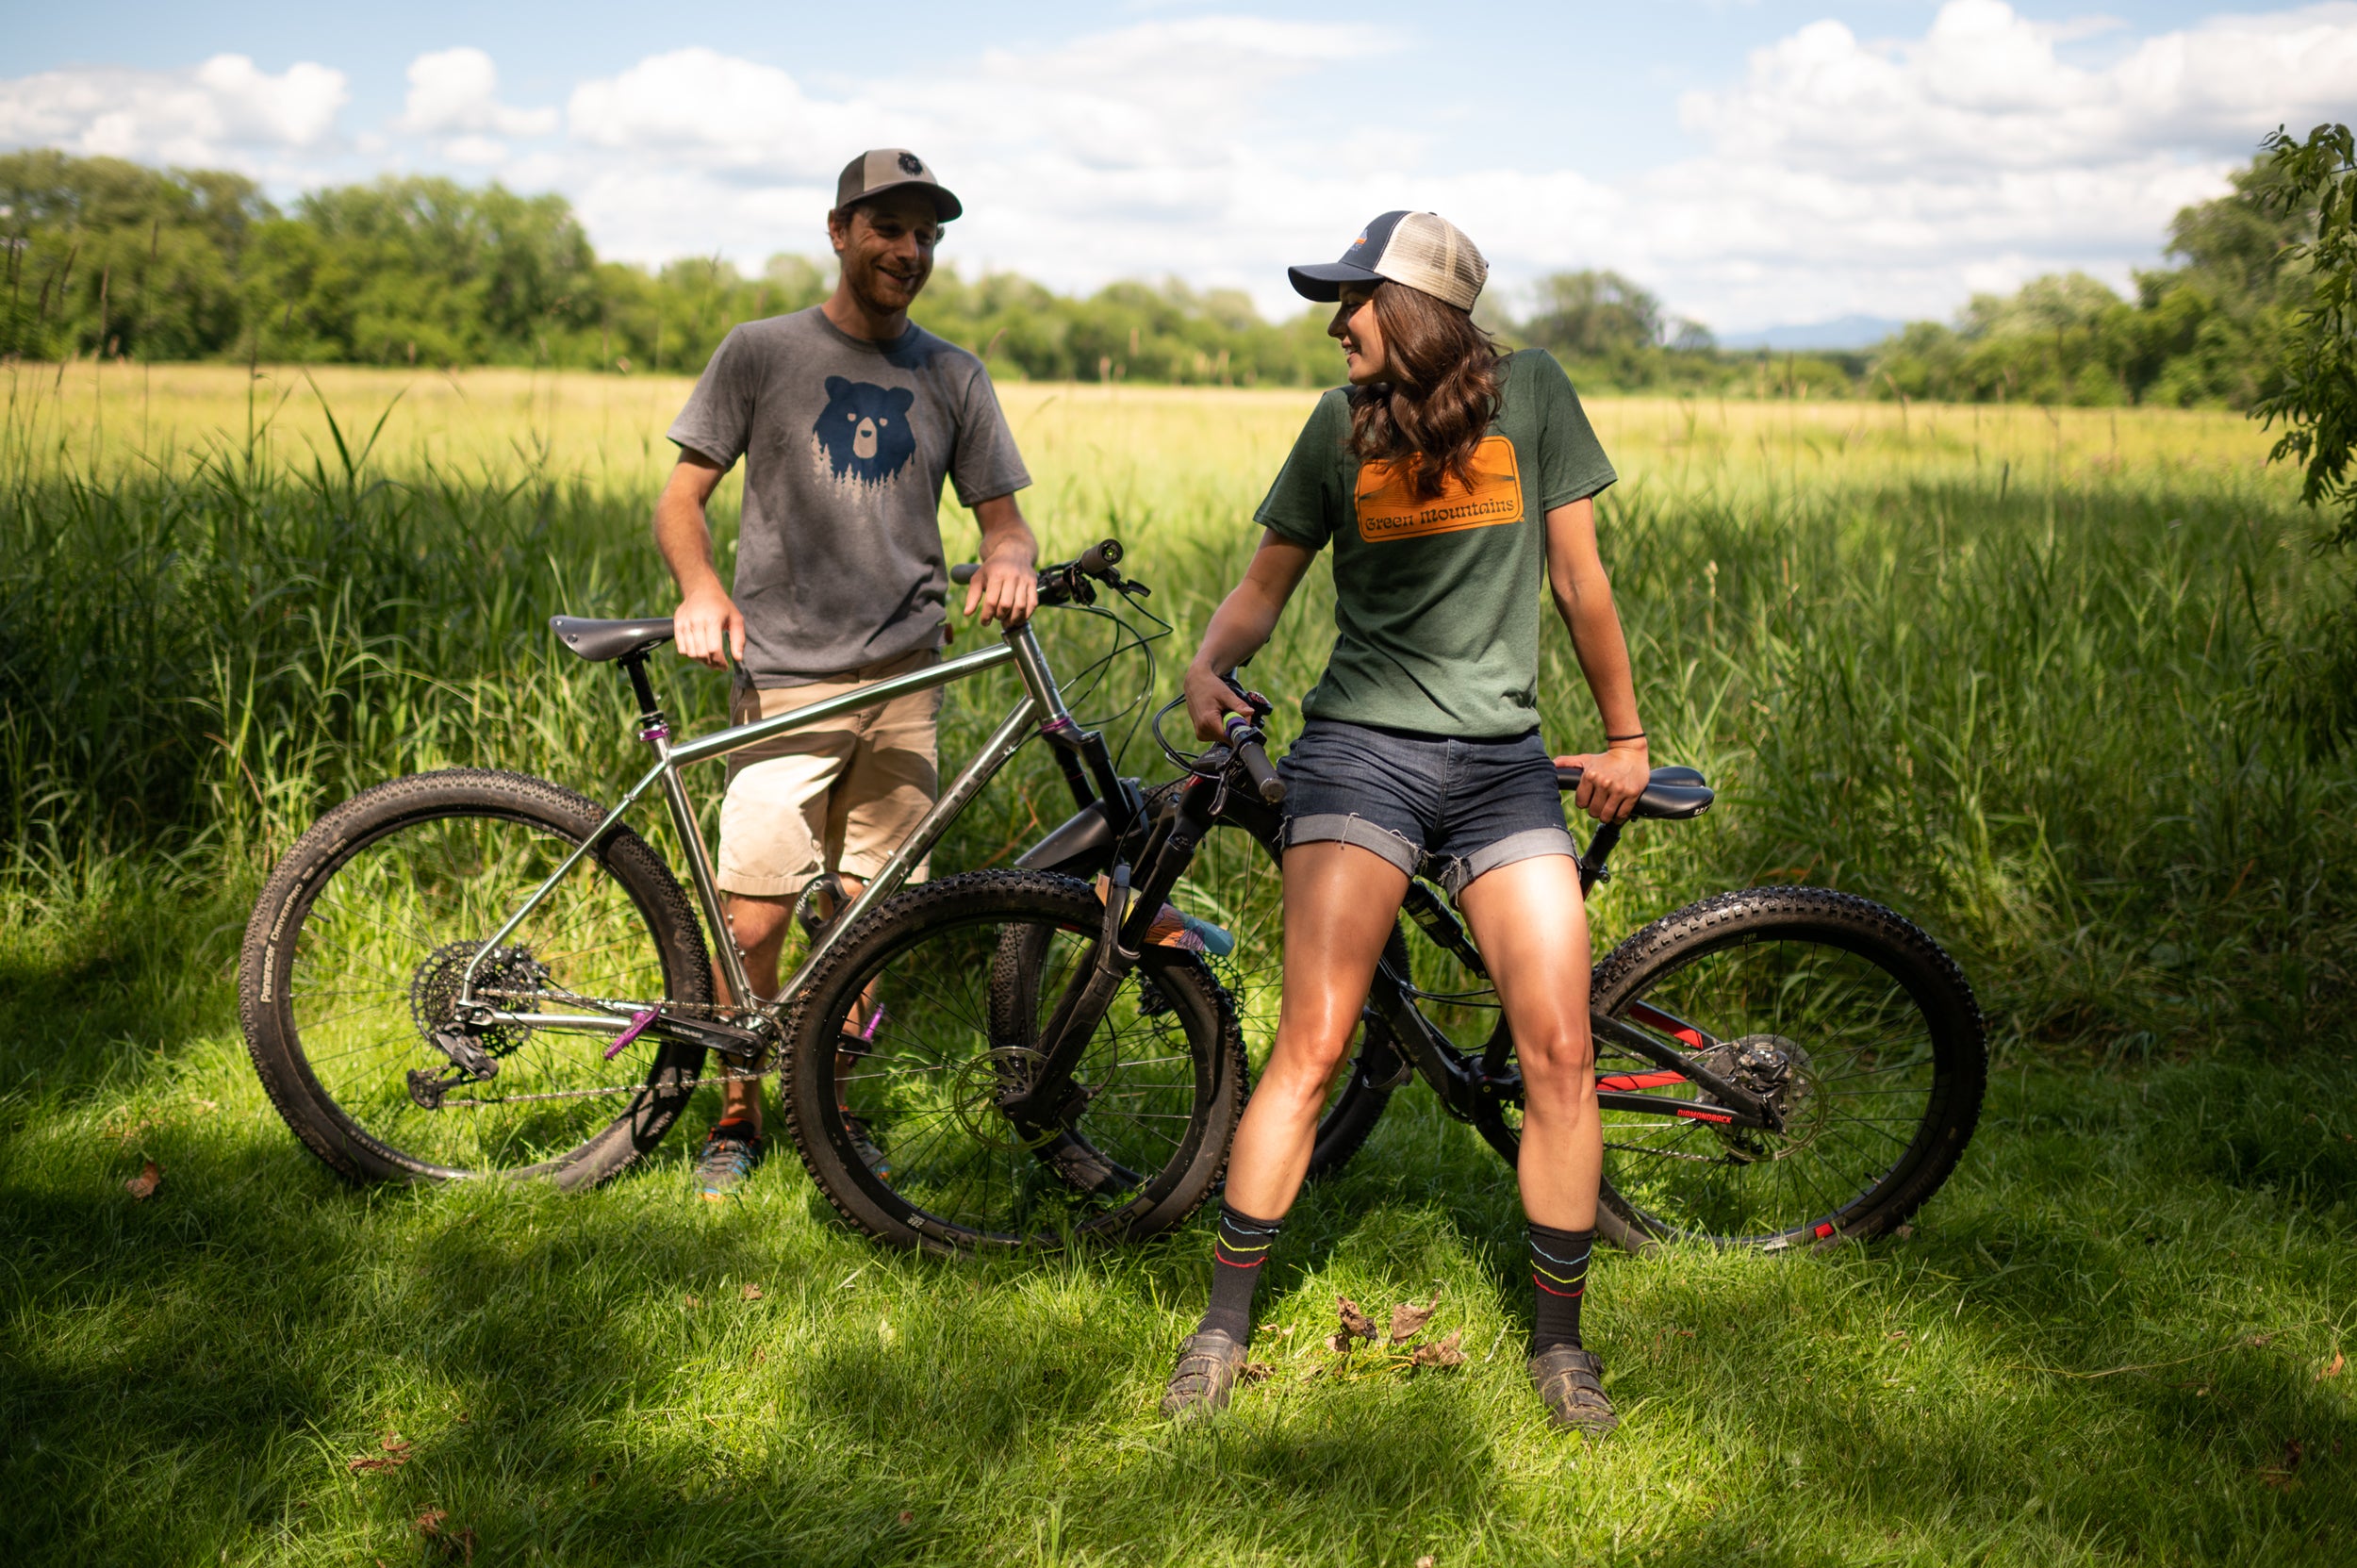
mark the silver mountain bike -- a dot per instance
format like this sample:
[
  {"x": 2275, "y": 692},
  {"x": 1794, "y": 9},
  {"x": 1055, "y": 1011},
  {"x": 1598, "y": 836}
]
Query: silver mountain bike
[{"x": 471, "y": 972}]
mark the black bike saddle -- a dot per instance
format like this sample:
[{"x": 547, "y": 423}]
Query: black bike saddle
[
  {"x": 601, "y": 640},
  {"x": 1673, "y": 795}
]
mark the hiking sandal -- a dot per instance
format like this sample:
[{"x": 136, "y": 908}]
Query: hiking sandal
[
  {"x": 1209, "y": 1363},
  {"x": 1570, "y": 1381}
]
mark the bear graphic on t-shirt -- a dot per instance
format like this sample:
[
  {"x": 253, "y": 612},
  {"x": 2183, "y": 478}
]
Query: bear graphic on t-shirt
[{"x": 864, "y": 439}]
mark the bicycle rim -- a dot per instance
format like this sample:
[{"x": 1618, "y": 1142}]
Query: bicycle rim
[
  {"x": 1861, "y": 1089},
  {"x": 946, "y": 1025},
  {"x": 382, "y": 944}
]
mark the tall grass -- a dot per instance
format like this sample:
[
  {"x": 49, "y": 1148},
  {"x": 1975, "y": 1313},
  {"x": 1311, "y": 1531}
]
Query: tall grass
[{"x": 1994, "y": 672}]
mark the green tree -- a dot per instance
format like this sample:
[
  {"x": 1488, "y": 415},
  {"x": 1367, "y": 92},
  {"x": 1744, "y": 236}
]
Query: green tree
[{"x": 2314, "y": 389}]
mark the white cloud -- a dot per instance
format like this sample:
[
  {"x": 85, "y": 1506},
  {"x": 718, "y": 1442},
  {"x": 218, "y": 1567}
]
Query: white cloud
[
  {"x": 1896, "y": 176},
  {"x": 457, "y": 91},
  {"x": 225, "y": 110},
  {"x": 1843, "y": 174}
]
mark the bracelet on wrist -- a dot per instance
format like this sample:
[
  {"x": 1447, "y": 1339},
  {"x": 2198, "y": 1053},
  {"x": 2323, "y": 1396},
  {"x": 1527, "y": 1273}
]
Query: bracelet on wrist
[{"x": 1611, "y": 740}]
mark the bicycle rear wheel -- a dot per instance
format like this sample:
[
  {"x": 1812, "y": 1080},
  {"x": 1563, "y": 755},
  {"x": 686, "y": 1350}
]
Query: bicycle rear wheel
[
  {"x": 357, "y": 948},
  {"x": 907, "y": 1046},
  {"x": 1854, "y": 1021}
]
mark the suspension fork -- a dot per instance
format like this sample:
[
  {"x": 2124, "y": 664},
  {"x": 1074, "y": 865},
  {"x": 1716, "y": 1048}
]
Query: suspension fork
[{"x": 1129, "y": 913}]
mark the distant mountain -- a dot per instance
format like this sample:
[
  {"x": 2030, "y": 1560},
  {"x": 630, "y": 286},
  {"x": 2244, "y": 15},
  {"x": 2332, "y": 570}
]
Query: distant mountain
[{"x": 1842, "y": 332}]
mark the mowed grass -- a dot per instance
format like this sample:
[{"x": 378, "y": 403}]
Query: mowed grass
[{"x": 2004, "y": 672}]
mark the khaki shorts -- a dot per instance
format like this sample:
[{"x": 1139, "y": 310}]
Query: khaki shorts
[{"x": 838, "y": 796}]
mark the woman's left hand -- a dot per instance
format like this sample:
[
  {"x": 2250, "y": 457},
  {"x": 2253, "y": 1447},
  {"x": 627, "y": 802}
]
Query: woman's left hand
[{"x": 1610, "y": 782}]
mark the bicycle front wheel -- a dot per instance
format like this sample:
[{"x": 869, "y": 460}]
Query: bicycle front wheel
[
  {"x": 910, "y": 1046},
  {"x": 1847, "y": 1016},
  {"x": 357, "y": 947}
]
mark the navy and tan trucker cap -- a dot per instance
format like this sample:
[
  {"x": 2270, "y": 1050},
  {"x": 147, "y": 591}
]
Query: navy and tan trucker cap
[
  {"x": 882, "y": 168},
  {"x": 1423, "y": 249}
]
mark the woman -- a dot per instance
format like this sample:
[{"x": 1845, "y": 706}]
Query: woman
[{"x": 1451, "y": 482}]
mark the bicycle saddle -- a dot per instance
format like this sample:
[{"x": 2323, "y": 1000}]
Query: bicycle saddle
[
  {"x": 601, "y": 640},
  {"x": 1673, "y": 795}
]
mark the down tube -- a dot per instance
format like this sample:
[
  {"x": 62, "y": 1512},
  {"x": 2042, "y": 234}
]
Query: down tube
[{"x": 995, "y": 752}]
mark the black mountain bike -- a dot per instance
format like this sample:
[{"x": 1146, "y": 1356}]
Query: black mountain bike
[{"x": 1777, "y": 1065}]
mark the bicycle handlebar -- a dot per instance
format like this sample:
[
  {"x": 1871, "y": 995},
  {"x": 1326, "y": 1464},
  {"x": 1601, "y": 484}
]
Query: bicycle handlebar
[{"x": 1068, "y": 582}]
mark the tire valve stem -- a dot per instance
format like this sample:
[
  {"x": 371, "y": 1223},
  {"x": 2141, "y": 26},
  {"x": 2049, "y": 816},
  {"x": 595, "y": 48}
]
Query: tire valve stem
[{"x": 638, "y": 1022}]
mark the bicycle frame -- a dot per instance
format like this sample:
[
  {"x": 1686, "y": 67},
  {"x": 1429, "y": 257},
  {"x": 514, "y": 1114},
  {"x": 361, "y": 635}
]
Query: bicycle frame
[{"x": 1040, "y": 709}]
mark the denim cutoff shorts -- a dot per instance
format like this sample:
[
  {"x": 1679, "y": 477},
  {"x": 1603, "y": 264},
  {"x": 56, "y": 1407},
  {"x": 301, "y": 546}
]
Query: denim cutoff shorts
[{"x": 1450, "y": 810}]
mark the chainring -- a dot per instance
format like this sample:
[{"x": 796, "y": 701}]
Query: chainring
[{"x": 509, "y": 979}]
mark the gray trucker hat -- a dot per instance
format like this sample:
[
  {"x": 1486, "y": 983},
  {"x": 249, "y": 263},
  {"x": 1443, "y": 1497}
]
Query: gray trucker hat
[
  {"x": 1423, "y": 249},
  {"x": 882, "y": 168}
]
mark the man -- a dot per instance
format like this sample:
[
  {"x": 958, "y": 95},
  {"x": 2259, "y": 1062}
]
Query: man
[{"x": 847, "y": 418}]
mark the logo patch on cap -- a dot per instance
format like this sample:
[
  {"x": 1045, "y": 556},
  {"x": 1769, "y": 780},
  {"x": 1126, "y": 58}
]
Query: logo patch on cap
[{"x": 910, "y": 164}]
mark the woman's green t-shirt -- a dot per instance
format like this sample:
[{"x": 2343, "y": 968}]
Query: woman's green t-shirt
[{"x": 1437, "y": 603}]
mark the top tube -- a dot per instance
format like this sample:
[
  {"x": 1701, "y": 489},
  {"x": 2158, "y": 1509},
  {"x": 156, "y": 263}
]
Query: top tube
[{"x": 721, "y": 742}]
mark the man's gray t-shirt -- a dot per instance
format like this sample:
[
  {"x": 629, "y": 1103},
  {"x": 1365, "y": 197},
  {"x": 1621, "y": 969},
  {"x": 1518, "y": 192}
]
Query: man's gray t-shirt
[{"x": 846, "y": 442}]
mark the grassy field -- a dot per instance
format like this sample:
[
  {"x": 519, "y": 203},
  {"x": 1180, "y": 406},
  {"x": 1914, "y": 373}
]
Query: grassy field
[{"x": 2004, "y": 669}]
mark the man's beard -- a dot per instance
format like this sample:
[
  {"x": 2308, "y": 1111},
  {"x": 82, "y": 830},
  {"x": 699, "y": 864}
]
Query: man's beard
[{"x": 871, "y": 288}]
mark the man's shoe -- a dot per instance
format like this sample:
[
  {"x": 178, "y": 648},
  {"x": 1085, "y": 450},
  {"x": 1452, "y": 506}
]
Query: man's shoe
[
  {"x": 732, "y": 1153},
  {"x": 1570, "y": 1381},
  {"x": 1209, "y": 1363}
]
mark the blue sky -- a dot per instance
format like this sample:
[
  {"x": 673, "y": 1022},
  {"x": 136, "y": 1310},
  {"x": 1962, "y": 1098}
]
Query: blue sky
[{"x": 1754, "y": 163}]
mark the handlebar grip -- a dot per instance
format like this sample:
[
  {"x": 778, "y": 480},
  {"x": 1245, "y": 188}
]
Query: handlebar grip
[
  {"x": 1262, "y": 772},
  {"x": 964, "y": 573},
  {"x": 1567, "y": 778},
  {"x": 1101, "y": 557}
]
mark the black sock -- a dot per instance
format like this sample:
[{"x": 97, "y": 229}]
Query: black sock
[
  {"x": 1559, "y": 1277},
  {"x": 1236, "y": 1259}
]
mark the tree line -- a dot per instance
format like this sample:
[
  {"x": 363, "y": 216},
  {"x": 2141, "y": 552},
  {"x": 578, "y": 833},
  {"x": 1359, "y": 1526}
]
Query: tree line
[{"x": 106, "y": 257}]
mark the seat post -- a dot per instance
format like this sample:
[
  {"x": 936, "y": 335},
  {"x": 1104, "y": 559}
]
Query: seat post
[
  {"x": 653, "y": 726},
  {"x": 1592, "y": 864}
]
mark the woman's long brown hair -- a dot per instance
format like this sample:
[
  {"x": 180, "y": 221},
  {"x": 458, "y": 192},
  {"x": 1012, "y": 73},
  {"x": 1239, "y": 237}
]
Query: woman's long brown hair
[{"x": 1443, "y": 391}]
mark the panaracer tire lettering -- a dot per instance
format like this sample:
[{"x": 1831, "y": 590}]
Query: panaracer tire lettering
[
  {"x": 936, "y": 1051},
  {"x": 1810, "y": 920},
  {"x": 268, "y": 1004}
]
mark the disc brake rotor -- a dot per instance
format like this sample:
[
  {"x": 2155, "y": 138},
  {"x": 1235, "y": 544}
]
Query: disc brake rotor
[
  {"x": 1778, "y": 1070},
  {"x": 979, "y": 1086}
]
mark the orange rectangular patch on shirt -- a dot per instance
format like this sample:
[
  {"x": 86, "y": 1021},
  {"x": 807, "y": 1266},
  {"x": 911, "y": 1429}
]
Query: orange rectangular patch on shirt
[{"x": 1389, "y": 508}]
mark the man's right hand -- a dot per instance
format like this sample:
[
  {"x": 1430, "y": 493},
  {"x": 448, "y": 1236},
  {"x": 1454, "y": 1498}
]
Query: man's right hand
[{"x": 709, "y": 627}]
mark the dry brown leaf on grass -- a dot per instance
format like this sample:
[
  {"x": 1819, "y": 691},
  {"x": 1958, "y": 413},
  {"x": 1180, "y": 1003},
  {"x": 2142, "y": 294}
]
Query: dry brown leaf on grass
[
  {"x": 1442, "y": 1352},
  {"x": 1408, "y": 1319},
  {"x": 457, "y": 1545},
  {"x": 752, "y": 1292},
  {"x": 143, "y": 1185},
  {"x": 396, "y": 1454},
  {"x": 1355, "y": 1323},
  {"x": 692, "y": 1301},
  {"x": 2332, "y": 1367},
  {"x": 1255, "y": 1372}
]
